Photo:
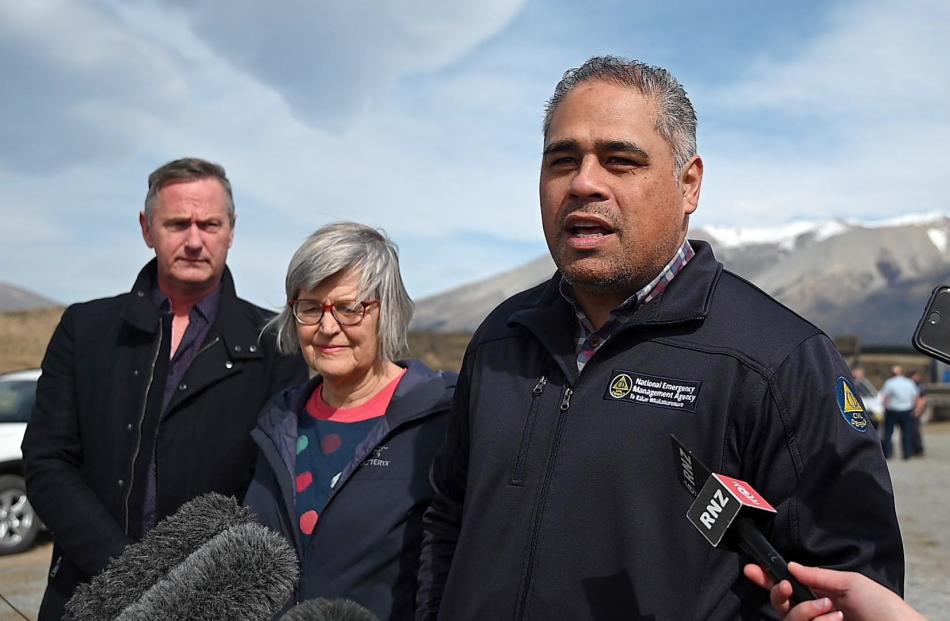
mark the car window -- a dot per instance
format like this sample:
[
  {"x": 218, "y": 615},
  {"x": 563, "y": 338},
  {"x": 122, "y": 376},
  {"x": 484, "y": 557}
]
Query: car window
[
  {"x": 16, "y": 401},
  {"x": 865, "y": 389}
]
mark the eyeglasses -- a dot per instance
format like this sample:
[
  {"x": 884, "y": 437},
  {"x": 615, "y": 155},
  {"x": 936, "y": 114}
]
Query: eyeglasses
[{"x": 310, "y": 312}]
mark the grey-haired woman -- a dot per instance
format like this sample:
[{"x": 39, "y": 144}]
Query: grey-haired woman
[{"x": 343, "y": 460}]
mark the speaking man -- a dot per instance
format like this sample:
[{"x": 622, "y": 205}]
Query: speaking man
[
  {"x": 147, "y": 399},
  {"x": 556, "y": 493}
]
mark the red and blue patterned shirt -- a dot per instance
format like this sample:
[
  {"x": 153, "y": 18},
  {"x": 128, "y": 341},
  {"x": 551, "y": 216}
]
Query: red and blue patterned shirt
[{"x": 327, "y": 438}]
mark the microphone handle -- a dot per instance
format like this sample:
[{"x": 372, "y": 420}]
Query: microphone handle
[{"x": 754, "y": 543}]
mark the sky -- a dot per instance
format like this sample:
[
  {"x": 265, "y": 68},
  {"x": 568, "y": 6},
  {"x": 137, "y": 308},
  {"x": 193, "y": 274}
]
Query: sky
[{"x": 423, "y": 118}]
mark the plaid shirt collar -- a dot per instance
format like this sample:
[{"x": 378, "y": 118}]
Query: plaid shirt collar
[{"x": 588, "y": 340}]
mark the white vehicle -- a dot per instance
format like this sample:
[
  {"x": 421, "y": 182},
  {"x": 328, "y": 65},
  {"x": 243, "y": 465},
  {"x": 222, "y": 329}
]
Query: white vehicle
[
  {"x": 872, "y": 400},
  {"x": 18, "y": 522}
]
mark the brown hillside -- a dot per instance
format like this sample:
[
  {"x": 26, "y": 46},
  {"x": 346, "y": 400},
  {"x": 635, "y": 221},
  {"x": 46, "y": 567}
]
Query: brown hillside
[
  {"x": 442, "y": 352},
  {"x": 25, "y": 334}
]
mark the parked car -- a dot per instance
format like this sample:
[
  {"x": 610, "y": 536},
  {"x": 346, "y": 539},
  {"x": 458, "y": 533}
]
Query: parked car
[
  {"x": 872, "y": 400},
  {"x": 18, "y": 522}
]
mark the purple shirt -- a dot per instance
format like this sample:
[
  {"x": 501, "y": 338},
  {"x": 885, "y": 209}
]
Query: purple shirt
[{"x": 200, "y": 319}]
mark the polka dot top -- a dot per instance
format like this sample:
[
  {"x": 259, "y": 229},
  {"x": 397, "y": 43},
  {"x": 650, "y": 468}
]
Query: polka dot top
[{"x": 327, "y": 438}]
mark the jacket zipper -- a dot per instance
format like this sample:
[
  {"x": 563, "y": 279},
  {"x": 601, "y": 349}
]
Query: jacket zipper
[
  {"x": 206, "y": 347},
  {"x": 542, "y": 497},
  {"x": 158, "y": 425},
  {"x": 272, "y": 454},
  {"x": 138, "y": 435},
  {"x": 517, "y": 477},
  {"x": 566, "y": 401}
]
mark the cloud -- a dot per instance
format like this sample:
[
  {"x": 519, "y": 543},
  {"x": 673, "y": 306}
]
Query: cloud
[
  {"x": 871, "y": 60},
  {"x": 850, "y": 125},
  {"x": 137, "y": 86},
  {"x": 332, "y": 60},
  {"x": 423, "y": 118},
  {"x": 78, "y": 86}
]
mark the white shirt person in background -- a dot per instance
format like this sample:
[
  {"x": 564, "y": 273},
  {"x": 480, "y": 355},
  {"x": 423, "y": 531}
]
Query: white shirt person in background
[{"x": 900, "y": 398}]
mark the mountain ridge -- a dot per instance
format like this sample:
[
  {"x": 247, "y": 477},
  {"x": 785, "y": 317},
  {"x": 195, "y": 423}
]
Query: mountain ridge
[
  {"x": 13, "y": 298},
  {"x": 870, "y": 280}
]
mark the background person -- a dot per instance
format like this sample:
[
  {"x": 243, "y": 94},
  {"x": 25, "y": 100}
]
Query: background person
[
  {"x": 556, "y": 491},
  {"x": 343, "y": 466},
  {"x": 900, "y": 395},
  {"x": 842, "y": 595},
  {"x": 147, "y": 399},
  {"x": 920, "y": 411}
]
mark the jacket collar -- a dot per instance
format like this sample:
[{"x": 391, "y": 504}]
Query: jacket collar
[
  {"x": 421, "y": 392},
  {"x": 687, "y": 299},
  {"x": 230, "y": 324}
]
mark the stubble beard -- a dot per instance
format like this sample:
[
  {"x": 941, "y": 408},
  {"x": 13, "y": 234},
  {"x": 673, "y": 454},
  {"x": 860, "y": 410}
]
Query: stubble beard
[
  {"x": 593, "y": 276},
  {"x": 620, "y": 276}
]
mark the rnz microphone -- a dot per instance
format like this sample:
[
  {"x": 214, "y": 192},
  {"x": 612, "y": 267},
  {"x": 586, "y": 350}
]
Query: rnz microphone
[
  {"x": 718, "y": 504},
  {"x": 723, "y": 512},
  {"x": 321, "y": 609}
]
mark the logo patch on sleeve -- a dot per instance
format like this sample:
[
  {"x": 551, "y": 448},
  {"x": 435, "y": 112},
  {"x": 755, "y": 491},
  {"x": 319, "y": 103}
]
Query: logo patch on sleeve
[
  {"x": 633, "y": 387},
  {"x": 851, "y": 406}
]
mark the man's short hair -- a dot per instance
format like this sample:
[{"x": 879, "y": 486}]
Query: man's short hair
[
  {"x": 676, "y": 118},
  {"x": 186, "y": 169},
  {"x": 343, "y": 247}
]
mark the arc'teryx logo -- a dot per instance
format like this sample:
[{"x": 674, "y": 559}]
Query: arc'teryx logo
[{"x": 377, "y": 458}]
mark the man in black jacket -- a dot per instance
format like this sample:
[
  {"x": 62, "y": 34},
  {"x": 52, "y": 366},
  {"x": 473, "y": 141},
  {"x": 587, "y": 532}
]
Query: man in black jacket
[
  {"x": 556, "y": 492},
  {"x": 147, "y": 399}
]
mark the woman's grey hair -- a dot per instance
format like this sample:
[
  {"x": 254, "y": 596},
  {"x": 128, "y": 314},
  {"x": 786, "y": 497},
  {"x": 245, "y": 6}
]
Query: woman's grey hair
[
  {"x": 347, "y": 247},
  {"x": 186, "y": 169},
  {"x": 676, "y": 118}
]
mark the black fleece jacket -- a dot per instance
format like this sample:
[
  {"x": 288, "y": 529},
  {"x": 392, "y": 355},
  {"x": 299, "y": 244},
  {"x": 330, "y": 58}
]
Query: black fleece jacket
[{"x": 556, "y": 493}]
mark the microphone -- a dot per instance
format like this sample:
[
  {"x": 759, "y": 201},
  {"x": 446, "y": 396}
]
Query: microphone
[
  {"x": 722, "y": 511},
  {"x": 321, "y": 609},
  {"x": 246, "y": 572},
  {"x": 145, "y": 562}
]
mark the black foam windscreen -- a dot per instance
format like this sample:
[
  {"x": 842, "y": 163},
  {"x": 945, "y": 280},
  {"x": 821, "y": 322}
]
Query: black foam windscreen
[
  {"x": 245, "y": 572},
  {"x": 144, "y": 563},
  {"x": 321, "y": 609}
]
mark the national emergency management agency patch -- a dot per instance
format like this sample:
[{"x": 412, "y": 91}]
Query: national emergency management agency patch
[
  {"x": 851, "y": 406},
  {"x": 633, "y": 387}
]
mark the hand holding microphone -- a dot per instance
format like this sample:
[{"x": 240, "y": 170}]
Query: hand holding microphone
[
  {"x": 844, "y": 594},
  {"x": 723, "y": 512}
]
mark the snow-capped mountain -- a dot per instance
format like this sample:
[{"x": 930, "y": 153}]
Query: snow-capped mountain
[{"x": 869, "y": 279}]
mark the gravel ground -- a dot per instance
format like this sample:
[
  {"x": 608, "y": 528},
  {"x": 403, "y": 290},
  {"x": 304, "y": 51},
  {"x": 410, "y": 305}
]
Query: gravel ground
[
  {"x": 22, "y": 580},
  {"x": 923, "y": 506}
]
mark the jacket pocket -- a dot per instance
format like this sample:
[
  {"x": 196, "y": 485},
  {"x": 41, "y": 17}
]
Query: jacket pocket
[{"x": 517, "y": 475}]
